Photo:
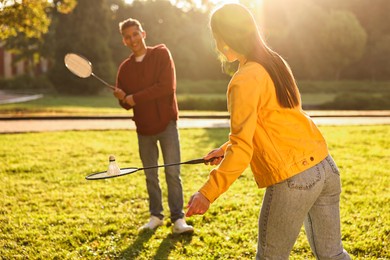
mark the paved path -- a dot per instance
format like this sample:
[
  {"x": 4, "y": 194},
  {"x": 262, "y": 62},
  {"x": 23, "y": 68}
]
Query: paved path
[
  {"x": 11, "y": 124},
  {"x": 36, "y": 124},
  {"x": 7, "y": 97}
]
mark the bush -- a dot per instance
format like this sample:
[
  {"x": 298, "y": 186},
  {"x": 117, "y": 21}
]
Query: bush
[
  {"x": 202, "y": 102},
  {"x": 27, "y": 83},
  {"x": 344, "y": 86},
  {"x": 202, "y": 86},
  {"x": 358, "y": 101}
]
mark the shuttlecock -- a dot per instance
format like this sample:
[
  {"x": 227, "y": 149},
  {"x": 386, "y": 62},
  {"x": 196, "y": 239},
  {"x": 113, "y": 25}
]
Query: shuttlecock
[{"x": 113, "y": 168}]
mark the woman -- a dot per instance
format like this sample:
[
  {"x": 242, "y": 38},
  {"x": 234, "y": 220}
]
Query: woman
[{"x": 286, "y": 151}]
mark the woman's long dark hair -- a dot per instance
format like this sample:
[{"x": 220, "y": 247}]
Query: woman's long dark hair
[{"x": 235, "y": 25}]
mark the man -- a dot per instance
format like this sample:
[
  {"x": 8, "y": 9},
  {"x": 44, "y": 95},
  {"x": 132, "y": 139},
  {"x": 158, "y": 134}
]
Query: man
[{"x": 146, "y": 82}]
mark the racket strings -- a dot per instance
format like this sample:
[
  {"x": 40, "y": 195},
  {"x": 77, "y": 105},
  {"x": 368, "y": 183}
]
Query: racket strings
[{"x": 78, "y": 65}]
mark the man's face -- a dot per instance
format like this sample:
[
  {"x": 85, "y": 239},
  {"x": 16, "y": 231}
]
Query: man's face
[{"x": 134, "y": 39}]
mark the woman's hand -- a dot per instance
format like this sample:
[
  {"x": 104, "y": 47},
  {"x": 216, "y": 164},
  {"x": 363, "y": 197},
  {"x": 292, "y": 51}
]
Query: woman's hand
[
  {"x": 217, "y": 154},
  {"x": 198, "y": 205}
]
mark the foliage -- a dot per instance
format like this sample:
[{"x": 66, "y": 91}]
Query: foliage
[
  {"x": 321, "y": 40},
  {"x": 29, "y": 18},
  {"x": 26, "y": 82},
  {"x": 358, "y": 101},
  {"x": 87, "y": 36},
  {"x": 186, "y": 34},
  {"x": 202, "y": 86},
  {"x": 346, "y": 41},
  {"x": 195, "y": 96},
  {"x": 350, "y": 86},
  {"x": 49, "y": 211},
  {"x": 374, "y": 64},
  {"x": 25, "y": 25},
  {"x": 332, "y": 43},
  {"x": 202, "y": 102}
]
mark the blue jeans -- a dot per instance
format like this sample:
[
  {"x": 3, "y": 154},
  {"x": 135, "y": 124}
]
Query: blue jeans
[
  {"x": 311, "y": 197},
  {"x": 149, "y": 153}
]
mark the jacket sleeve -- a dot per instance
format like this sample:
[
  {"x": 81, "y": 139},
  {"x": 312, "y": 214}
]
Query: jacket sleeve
[
  {"x": 120, "y": 85},
  {"x": 224, "y": 146},
  {"x": 243, "y": 101},
  {"x": 166, "y": 82}
]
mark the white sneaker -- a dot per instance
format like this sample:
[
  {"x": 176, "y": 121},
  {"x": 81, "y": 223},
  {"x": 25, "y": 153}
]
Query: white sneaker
[
  {"x": 153, "y": 223},
  {"x": 181, "y": 226}
]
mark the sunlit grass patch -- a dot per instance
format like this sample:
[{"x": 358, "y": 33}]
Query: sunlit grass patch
[{"x": 49, "y": 211}]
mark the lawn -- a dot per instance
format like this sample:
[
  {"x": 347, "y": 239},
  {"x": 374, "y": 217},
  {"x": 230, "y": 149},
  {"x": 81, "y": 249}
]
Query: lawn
[
  {"x": 49, "y": 211},
  {"x": 208, "y": 97},
  {"x": 99, "y": 105},
  {"x": 105, "y": 104}
]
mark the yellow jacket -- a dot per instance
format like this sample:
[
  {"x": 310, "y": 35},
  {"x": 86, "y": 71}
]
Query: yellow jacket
[{"x": 277, "y": 142}]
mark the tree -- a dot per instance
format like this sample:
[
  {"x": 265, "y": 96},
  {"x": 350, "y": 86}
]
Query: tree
[
  {"x": 376, "y": 58},
  {"x": 29, "y": 18},
  {"x": 374, "y": 64},
  {"x": 372, "y": 15},
  {"x": 318, "y": 42},
  {"x": 345, "y": 41},
  {"x": 185, "y": 33},
  {"x": 25, "y": 24},
  {"x": 297, "y": 34},
  {"x": 84, "y": 31}
]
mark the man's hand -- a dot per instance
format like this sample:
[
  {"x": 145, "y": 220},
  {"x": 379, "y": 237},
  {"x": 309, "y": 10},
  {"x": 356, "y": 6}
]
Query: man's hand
[
  {"x": 129, "y": 100},
  {"x": 217, "y": 154},
  {"x": 119, "y": 93},
  {"x": 198, "y": 205}
]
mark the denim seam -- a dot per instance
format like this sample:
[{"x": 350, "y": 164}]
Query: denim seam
[
  {"x": 314, "y": 249},
  {"x": 323, "y": 168},
  {"x": 334, "y": 167},
  {"x": 266, "y": 217}
]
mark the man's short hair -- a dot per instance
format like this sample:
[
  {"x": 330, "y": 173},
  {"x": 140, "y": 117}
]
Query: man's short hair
[{"x": 128, "y": 23}]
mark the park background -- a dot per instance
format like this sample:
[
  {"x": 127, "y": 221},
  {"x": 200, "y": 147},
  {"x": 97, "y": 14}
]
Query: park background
[{"x": 339, "y": 52}]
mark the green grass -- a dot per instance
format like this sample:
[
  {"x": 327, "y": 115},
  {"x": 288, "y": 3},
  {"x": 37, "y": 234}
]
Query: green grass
[
  {"x": 105, "y": 104},
  {"x": 49, "y": 211},
  {"x": 208, "y": 97}
]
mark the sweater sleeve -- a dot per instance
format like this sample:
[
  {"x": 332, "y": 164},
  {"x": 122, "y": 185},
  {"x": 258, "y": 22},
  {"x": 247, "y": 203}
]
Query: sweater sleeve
[
  {"x": 120, "y": 85},
  {"x": 243, "y": 101},
  {"x": 165, "y": 84}
]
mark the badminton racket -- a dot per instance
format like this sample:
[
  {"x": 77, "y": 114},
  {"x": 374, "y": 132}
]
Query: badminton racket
[
  {"x": 130, "y": 170},
  {"x": 81, "y": 67}
]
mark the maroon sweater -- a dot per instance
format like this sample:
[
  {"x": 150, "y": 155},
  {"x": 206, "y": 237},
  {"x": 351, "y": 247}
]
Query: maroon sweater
[{"x": 152, "y": 82}]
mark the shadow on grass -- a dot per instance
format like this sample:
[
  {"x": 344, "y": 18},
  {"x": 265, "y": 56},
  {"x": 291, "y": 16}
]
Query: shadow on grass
[
  {"x": 170, "y": 242},
  {"x": 167, "y": 245},
  {"x": 138, "y": 246}
]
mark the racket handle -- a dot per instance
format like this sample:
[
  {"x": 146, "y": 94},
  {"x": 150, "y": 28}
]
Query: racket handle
[
  {"x": 201, "y": 160},
  {"x": 196, "y": 161}
]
